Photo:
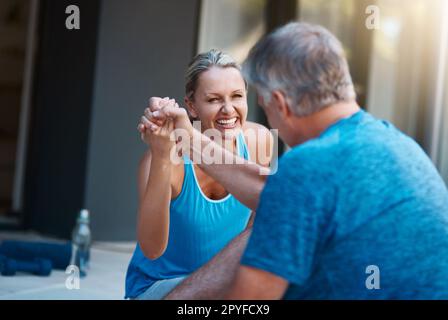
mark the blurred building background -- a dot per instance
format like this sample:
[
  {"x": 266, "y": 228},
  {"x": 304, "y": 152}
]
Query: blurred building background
[{"x": 70, "y": 100}]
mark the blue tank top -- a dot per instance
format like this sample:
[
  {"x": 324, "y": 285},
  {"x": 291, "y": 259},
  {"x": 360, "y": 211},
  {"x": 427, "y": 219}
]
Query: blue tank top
[{"x": 199, "y": 229}]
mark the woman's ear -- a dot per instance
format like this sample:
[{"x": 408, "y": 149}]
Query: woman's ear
[{"x": 190, "y": 107}]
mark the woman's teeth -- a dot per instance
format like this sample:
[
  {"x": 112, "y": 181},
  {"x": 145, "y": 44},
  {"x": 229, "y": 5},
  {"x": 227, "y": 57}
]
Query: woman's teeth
[{"x": 227, "y": 122}]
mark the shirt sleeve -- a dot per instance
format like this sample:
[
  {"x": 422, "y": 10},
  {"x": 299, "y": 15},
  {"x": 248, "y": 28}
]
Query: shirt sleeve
[{"x": 293, "y": 219}]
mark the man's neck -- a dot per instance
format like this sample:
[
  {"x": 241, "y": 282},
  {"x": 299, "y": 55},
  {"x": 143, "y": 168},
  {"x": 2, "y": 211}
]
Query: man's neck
[{"x": 312, "y": 126}]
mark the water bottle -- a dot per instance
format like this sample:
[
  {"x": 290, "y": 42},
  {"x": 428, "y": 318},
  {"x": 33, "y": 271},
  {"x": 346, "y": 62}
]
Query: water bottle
[{"x": 81, "y": 239}]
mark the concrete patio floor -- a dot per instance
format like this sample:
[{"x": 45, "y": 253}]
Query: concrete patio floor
[{"x": 104, "y": 281}]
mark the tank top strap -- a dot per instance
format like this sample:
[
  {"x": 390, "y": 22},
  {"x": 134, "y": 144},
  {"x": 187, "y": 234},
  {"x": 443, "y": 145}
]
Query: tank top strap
[
  {"x": 243, "y": 149},
  {"x": 188, "y": 167}
]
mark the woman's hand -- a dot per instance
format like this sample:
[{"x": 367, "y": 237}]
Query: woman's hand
[
  {"x": 159, "y": 113},
  {"x": 157, "y": 133}
]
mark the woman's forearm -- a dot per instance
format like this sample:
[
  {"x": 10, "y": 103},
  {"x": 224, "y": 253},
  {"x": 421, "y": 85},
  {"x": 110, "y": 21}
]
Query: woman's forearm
[
  {"x": 153, "y": 212},
  {"x": 242, "y": 178}
]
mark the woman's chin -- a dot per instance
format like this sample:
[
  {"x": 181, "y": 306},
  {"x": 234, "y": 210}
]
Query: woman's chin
[
  {"x": 227, "y": 134},
  {"x": 230, "y": 134}
]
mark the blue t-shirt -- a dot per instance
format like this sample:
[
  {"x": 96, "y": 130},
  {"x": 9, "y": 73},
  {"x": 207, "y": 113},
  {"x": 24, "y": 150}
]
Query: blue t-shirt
[{"x": 359, "y": 212}]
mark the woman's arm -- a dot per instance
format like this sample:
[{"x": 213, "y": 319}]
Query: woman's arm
[
  {"x": 154, "y": 184},
  {"x": 154, "y": 187}
]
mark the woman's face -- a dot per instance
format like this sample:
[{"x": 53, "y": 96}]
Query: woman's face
[{"x": 220, "y": 101}]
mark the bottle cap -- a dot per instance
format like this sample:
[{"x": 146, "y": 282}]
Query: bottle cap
[{"x": 84, "y": 215}]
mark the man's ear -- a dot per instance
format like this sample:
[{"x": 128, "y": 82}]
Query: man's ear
[
  {"x": 281, "y": 104},
  {"x": 190, "y": 107}
]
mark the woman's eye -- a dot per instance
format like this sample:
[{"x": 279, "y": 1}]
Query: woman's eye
[
  {"x": 238, "y": 96},
  {"x": 213, "y": 100}
]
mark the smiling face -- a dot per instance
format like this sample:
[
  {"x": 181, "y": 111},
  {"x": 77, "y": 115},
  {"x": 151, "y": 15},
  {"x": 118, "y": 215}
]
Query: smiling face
[{"x": 220, "y": 101}]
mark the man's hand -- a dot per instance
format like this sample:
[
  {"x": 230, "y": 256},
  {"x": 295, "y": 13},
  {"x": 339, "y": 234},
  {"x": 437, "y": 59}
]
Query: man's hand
[
  {"x": 157, "y": 116},
  {"x": 155, "y": 103},
  {"x": 178, "y": 115}
]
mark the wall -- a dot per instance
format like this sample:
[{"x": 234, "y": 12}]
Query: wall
[
  {"x": 143, "y": 50},
  {"x": 60, "y": 118}
]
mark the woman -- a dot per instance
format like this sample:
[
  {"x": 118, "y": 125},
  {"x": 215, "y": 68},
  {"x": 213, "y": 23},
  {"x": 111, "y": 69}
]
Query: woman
[{"x": 185, "y": 217}]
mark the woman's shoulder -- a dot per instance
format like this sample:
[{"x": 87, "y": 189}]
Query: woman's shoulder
[
  {"x": 258, "y": 130},
  {"x": 259, "y": 137},
  {"x": 253, "y": 125}
]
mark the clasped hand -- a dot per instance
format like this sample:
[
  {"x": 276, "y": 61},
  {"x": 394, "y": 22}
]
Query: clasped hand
[{"x": 158, "y": 122}]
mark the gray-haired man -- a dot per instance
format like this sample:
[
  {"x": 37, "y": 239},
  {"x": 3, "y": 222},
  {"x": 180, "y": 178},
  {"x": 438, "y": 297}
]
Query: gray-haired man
[{"x": 356, "y": 209}]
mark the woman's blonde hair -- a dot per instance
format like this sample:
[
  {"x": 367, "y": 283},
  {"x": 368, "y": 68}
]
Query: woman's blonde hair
[{"x": 203, "y": 62}]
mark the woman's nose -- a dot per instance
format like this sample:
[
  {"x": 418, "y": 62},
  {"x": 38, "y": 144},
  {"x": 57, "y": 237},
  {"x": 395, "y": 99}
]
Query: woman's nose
[{"x": 227, "y": 108}]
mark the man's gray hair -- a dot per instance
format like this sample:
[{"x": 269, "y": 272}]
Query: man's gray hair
[{"x": 305, "y": 62}]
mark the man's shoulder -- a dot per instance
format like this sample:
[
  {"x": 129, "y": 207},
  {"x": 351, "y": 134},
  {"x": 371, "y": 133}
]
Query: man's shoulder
[
  {"x": 304, "y": 164},
  {"x": 313, "y": 152}
]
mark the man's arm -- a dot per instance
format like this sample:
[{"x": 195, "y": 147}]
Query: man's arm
[
  {"x": 242, "y": 178},
  {"x": 214, "y": 279},
  {"x": 256, "y": 284},
  {"x": 224, "y": 278}
]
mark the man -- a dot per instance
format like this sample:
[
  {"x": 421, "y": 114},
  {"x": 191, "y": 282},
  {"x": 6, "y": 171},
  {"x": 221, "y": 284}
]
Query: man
[{"x": 356, "y": 209}]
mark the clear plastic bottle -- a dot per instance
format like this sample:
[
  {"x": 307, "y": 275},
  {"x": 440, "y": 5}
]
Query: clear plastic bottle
[{"x": 81, "y": 240}]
